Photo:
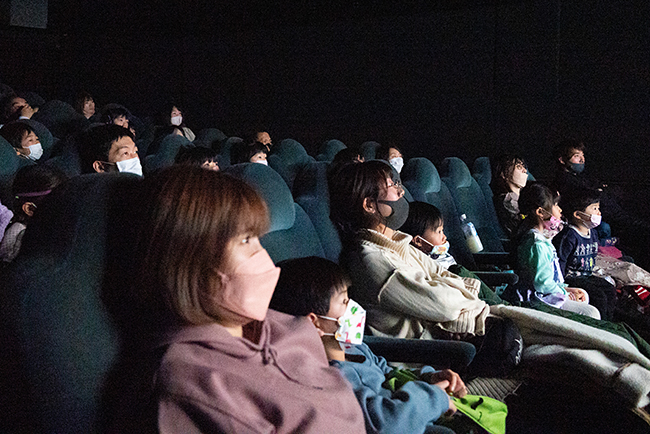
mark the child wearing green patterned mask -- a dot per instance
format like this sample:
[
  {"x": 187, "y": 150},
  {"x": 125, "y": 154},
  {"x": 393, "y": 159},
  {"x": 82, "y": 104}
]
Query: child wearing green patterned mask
[{"x": 318, "y": 288}]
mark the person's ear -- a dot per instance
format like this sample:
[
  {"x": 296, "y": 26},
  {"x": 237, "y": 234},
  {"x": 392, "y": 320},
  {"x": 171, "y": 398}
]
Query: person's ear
[
  {"x": 29, "y": 208},
  {"x": 540, "y": 212},
  {"x": 561, "y": 160},
  {"x": 368, "y": 205},
  {"x": 417, "y": 242},
  {"x": 98, "y": 166},
  {"x": 316, "y": 322}
]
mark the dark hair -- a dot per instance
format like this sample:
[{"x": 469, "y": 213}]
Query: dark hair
[
  {"x": 307, "y": 285},
  {"x": 422, "y": 216},
  {"x": 243, "y": 152},
  {"x": 348, "y": 189},
  {"x": 112, "y": 112},
  {"x": 96, "y": 142},
  {"x": 7, "y": 112},
  {"x": 191, "y": 215},
  {"x": 504, "y": 167},
  {"x": 534, "y": 196},
  {"x": 14, "y": 132},
  {"x": 81, "y": 99},
  {"x": 195, "y": 155},
  {"x": 32, "y": 184},
  {"x": 579, "y": 200},
  {"x": 565, "y": 149},
  {"x": 384, "y": 150},
  {"x": 165, "y": 115}
]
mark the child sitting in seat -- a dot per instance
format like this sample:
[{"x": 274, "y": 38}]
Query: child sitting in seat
[
  {"x": 31, "y": 185},
  {"x": 23, "y": 139},
  {"x": 426, "y": 225},
  {"x": 577, "y": 248},
  {"x": 317, "y": 288},
  {"x": 536, "y": 255}
]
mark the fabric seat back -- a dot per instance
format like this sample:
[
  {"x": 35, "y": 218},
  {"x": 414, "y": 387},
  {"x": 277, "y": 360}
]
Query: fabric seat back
[
  {"x": 470, "y": 201},
  {"x": 482, "y": 173},
  {"x": 166, "y": 153},
  {"x": 368, "y": 150},
  {"x": 287, "y": 158},
  {"x": 329, "y": 150},
  {"x": 59, "y": 341},
  {"x": 421, "y": 177},
  {"x": 312, "y": 194},
  {"x": 291, "y": 233}
]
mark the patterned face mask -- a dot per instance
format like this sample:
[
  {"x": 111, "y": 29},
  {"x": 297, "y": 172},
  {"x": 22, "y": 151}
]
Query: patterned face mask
[{"x": 351, "y": 325}]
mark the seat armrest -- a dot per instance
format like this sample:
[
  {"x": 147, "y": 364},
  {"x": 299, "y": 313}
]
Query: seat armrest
[{"x": 440, "y": 354}]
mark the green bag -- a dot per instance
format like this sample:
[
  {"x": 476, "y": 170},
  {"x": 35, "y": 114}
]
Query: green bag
[{"x": 486, "y": 412}]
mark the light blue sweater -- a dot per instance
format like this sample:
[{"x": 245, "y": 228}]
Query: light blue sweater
[{"x": 411, "y": 409}]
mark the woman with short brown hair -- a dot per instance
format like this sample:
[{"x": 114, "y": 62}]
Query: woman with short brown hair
[{"x": 229, "y": 364}]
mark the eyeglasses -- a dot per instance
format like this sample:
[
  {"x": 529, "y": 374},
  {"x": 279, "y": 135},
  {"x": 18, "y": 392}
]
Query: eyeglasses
[{"x": 396, "y": 184}]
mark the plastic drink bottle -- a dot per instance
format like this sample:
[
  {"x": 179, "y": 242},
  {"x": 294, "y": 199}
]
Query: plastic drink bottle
[{"x": 471, "y": 237}]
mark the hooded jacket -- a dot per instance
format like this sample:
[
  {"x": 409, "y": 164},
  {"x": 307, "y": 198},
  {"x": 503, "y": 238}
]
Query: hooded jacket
[{"x": 210, "y": 381}]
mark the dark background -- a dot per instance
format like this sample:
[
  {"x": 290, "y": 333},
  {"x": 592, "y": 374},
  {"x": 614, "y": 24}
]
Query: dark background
[{"x": 438, "y": 78}]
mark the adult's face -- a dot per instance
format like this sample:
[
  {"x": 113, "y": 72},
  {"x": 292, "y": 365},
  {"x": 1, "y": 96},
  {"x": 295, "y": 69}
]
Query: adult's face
[
  {"x": 89, "y": 108},
  {"x": 122, "y": 149},
  {"x": 390, "y": 192},
  {"x": 577, "y": 157}
]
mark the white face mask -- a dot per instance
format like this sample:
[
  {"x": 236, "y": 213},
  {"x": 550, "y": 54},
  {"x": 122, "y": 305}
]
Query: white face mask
[
  {"x": 35, "y": 151},
  {"x": 264, "y": 162},
  {"x": 397, "y": 163},
  {"x": 132, "y": 165},
  {"x": 177, "y": 120},
  {"x": 351, "y": 325}
]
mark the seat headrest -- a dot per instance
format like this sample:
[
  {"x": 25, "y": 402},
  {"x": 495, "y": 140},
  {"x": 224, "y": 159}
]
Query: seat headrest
[
  {"x": 330, "y": 148},
  {"x": 421, "y": 172},
  {"x": 270, "y": 185},
  {"x": 167, "y": 151},
  {"x": 210, "y": 138},
  {"x": 76, "y": 213},
  {"x": 457, "y": 172},
  {"x": 369, "y": 150},
  {"x": 482, "y": 169},
  {"x": 291, "y": 152}
]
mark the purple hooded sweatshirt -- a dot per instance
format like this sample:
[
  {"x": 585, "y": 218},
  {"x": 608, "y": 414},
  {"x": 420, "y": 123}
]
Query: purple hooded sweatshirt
[{"x": 210, "y": 381}]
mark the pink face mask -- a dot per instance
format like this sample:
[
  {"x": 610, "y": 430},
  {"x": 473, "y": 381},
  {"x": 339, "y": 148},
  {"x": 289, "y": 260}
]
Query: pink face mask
[
  {"x": 249, "y": 289},
  {"x": 552, "y": 227}
]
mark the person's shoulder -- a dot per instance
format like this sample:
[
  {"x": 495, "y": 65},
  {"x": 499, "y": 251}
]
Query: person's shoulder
[{"x": 291, "y": 330}]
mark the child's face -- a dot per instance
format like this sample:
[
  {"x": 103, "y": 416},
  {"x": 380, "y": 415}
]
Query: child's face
[
  {"x": 260, "y": 156},
  {"x": 594, "y": 208},
  {"x": 435, "y": 236},
  {"x": 556, "y": 211},
  {"x": 338, "y": 305}
]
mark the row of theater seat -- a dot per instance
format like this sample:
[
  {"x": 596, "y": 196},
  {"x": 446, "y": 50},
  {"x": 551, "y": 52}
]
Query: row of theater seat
[{"x": 59, "y": 334}]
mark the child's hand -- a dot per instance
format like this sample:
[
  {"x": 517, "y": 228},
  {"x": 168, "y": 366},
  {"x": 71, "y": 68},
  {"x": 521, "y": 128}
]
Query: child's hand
[
  {"x": 453, "y": 384},
  {"x": 444, "y": 385},
  {"x": 577, "y": 294}
]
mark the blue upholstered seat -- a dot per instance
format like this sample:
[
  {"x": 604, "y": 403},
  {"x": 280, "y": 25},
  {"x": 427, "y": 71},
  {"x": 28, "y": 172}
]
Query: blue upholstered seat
[
  {"x": 291, "y": 233},
  {"x": 329, "y": 150},
  {"x": 469, "y": 200}
]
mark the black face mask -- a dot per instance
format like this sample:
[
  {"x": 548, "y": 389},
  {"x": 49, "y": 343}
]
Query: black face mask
[{"x": 399, "y": 213}]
